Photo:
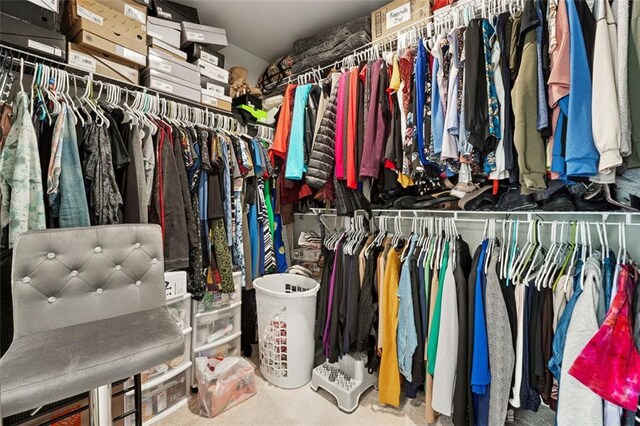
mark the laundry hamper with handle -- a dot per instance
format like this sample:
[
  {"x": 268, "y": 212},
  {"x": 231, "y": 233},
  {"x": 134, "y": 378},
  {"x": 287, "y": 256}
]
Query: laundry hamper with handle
[{"x": 286, "y": 318}]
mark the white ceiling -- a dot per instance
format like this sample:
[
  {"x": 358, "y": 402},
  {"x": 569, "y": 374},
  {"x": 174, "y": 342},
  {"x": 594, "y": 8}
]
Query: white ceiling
[{"x": 268, "y": 28}]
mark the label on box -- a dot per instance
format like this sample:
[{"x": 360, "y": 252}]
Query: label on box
[
  {"x": 159, "y": 65},
  {"x": 161, "y": 401},
  {"x": 213, "y": 71},
  {"x": 154, "y": 35},
  {"x": 135, "y": 14},
  {"x": 161, "y": 85},
  {"x": 208, "y": 57},
  {"x": 217, "y": 90},
  {"x": 209, "y": 100},
  {"x": 130, "y": 54},
  {"x": 399, "y": 15},
  {"x": 82, "y": 61},
  {"x": 44, "y": 47},
  {"x": 86, "y": 13},
  {"x": 163, "y": 14},
  {"x": 51, "y": 5},
  {"x": 191, "y": 36}
]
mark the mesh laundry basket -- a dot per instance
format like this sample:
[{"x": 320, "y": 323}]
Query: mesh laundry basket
[{"x": 286, "y": 317}]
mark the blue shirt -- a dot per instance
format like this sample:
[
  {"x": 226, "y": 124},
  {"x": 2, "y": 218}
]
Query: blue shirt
[
  {"x": 407, "y": 337},
  {"x": 295, "y": 155},
  {"x": 421, "y": 76},
  {"x": 581, "y": 154},
  {"x": 437, "y": 126},
  {"x": 480, "y": 374},
  {"x": 560, "y": 337}
]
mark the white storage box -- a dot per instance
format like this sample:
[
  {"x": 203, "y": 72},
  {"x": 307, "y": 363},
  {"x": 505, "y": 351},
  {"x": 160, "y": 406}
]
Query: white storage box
[
  {"x": 214, "y": 72},
  {"x": 216, "y": 38},
  {"x": 168, "y": 64},
  {"x": 228, "y": 346},
  {"x": 223, "y": 384},
  {"x": 175, "y": 283},
  {"x": 213, "y": 326},
  {"x": 180, "y": 310},
  {"x": 165, "y": 30},
  {"x": 161, "y": 397}
]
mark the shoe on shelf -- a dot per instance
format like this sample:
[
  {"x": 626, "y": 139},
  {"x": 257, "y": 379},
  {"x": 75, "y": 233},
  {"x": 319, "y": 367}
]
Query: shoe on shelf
[{"x": 462, "y": 189}]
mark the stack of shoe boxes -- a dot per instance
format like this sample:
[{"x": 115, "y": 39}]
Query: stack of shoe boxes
[
  {"x": 200, "y": 44},
  {"x": 107, "y": 37},
  {"x": 176, "y": 40},
  {"x": 33, "y": 26}
]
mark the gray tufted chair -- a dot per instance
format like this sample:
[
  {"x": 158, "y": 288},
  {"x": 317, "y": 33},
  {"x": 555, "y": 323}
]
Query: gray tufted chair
[{"x": 89, "y": 309}]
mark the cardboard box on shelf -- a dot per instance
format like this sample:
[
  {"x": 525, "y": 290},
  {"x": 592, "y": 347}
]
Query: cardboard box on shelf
[
  {"x": 397, "y": 15},
  {"x": 101, "y": 20},
  {"x": 162, "y": 29},
  {"x": 215, "y": 38},
  {"x": 32, "y": 38},
  {"x": 210, "y": 99},
  {"x": 176, "y": 12},
  {"x": 161, "y": 45},
  {"x": 166, "y": 83},
  {"x": 92, "y": 41},
  {"x": 102, "y": 64},
  {"x": 168, "y": 64},
  {"x": 212, "y": 71},
  {"x": 131, "y": 9},
  {"x": 197, "y": 51}
]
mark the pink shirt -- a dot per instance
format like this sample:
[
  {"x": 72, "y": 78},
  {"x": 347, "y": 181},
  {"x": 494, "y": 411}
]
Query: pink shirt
[{"x": 340, "y": 128}]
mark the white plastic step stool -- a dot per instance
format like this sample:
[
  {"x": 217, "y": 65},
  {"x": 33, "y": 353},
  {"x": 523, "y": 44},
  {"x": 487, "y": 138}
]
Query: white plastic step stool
[{"x": 346, "y": 380}]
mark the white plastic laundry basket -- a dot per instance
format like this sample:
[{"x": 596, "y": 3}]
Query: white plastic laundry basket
[{"x": 286, "y": 317}]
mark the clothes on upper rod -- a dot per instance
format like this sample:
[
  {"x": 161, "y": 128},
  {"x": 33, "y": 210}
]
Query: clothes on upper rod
[
  {"x": 208, "y": 189},
  {"x": 514, "y": 101},
  {"x": 487, "y": 335}
]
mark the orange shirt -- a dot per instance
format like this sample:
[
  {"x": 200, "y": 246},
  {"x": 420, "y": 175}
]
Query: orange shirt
[
  {"x": 352, "y": 179},
  {"x": 281, "y": 138}
]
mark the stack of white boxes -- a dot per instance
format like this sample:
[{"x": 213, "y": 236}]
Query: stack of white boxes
[
  {"x": 216, "y": 324},
  {"x": 165, "y": 388}
]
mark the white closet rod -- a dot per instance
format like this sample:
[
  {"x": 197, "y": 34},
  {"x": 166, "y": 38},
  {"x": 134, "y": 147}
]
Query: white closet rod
[
  {"x": 444, "y": 18},
  {"x": 463, "y": 216},
  {"x": 127, "y": 88}
]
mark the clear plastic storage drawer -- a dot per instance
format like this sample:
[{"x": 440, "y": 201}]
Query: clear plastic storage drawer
[{"x": 213, "y": 326}]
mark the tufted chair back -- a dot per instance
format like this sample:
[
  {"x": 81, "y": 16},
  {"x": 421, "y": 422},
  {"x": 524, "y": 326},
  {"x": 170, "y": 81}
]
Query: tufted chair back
[{"x": 65, "y": 277}]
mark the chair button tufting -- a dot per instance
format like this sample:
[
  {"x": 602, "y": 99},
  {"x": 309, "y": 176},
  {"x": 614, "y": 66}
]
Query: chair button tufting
[
  {"x": 74, "y": 273},
  {"x": 99, "y": 291},
  {"x": 26, "y": 280},
  {"x": 118, "y": 267},
  {"x": 137, "y": 245},
  {"x": 51, "y": 255},
  {"x": 97, "y": 249},
  {"x": 51, "y": 299},
  {"x": 138, "y": 283},
  {"x": 154, "y": 260}
]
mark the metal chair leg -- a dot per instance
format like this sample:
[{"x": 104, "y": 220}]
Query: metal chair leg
[{"x": 137, "y": 386}]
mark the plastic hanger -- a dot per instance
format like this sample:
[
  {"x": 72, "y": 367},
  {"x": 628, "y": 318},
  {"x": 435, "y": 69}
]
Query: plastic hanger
[
  {"x": 539, "y": 250},
  {"x": 526, "y": 253}
]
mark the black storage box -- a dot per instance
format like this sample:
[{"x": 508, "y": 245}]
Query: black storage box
[
  {"x": 25, "y": 36},
  {"x": 197, "y": 51},
  {"x": 250, "y": 100},
  {"x": 32, "y": 13},
  {"x": 176, "y": 12}
]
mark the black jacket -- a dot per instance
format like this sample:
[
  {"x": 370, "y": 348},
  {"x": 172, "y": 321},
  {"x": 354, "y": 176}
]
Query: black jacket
[{"x": 323, "y": 154}]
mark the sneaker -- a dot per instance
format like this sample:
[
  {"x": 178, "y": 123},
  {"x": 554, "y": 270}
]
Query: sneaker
[{"x": 462, "y": 189}]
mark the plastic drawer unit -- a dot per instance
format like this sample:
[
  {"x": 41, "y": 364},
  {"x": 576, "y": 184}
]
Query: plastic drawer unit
[{"x": 212, "y": 326}]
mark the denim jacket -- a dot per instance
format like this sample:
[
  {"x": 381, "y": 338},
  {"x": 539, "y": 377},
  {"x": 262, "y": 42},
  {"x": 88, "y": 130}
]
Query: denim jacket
[{"x": 407, "y": 337}]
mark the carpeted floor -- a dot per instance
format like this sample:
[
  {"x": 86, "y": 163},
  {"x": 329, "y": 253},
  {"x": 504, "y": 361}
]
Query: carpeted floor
[{"x": 272, "y": 405}]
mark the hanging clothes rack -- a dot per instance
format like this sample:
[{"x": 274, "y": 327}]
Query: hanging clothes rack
[{"x": 445, "y": 18}]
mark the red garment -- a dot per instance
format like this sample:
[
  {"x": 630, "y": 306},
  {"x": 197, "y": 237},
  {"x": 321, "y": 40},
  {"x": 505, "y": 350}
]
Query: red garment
[
  {"x": 439, "y": 4},
  {"x": 281, "y": 138},
  {"x": 352, "y": 179},
  {"x": 609, "y": 364}
]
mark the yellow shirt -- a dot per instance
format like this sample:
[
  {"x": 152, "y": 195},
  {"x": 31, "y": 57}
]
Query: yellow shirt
[{"x": 389, "y": 375}]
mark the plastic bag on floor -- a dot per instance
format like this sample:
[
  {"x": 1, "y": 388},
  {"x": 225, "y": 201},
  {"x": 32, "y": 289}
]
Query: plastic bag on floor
[{"x": 223, "y": 383}]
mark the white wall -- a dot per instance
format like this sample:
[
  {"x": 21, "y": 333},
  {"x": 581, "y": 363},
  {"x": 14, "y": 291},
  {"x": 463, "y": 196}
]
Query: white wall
[{"x": 237, "y": 57}]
